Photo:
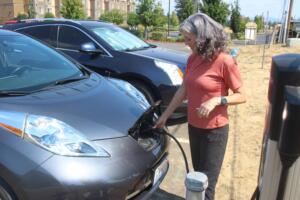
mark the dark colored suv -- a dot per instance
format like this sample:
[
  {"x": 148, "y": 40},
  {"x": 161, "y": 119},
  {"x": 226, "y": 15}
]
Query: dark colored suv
[{"x": 111, "y": 51}]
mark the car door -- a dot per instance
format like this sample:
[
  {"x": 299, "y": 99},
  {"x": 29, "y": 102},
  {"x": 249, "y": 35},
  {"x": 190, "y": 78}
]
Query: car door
[
  {"x": 70, "y": 40},
  {"x": 45, "y": 33}
]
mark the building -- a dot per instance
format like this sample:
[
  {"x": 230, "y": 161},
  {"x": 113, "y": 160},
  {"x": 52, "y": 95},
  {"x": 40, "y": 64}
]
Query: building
[
  {"x": 10, "y": 8},
  {"x": 93, "y": 8}
]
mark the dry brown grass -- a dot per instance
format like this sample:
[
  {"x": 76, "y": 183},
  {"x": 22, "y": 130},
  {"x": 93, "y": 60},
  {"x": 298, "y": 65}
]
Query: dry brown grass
[{"x": 238, "y": 178}]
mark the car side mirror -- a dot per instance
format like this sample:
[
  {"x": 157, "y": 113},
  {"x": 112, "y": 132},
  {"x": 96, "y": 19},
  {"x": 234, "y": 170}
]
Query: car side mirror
[{"x": 90, "y": 48}]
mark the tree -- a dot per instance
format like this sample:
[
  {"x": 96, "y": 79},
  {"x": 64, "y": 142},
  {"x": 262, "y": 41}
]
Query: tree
[
  {"x": 174, "y": 19},
  {"x": 72, "y": 9},
  {"x": 258, "y": 19},
  {"x": 115, "y": 16},
  {"x": 145, "y": 12},
  {"x": 133, "y": 19},
  {"x": 49, "y": 15},
  {"x": 216, "y": 9},
  {"x": 31, "y": 12},
  {"x": 235, "y": 18},
  {"x": 158, "y": 17},
  {"x": 244, "y": 21},
  {"x": 184, "y": 9},
  {"x": 22, "y": 16}
]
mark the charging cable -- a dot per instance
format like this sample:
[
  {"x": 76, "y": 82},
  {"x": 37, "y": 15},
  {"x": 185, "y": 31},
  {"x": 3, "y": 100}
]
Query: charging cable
[{"x": 180, "y": 147}]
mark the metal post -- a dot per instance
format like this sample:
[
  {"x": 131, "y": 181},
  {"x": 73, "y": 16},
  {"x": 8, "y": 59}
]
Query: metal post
[
  {"x": 264, "y": 50},
  {"x": 281, "y": 33},
  {"x": 289, "y": 20},
  {"x": 169, "y": 18},
  {"x": 196, "y": 184}
]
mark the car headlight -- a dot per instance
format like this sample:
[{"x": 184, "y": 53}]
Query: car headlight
[
  {"x": 172, "y": 70},
  {"x": 50, "y": 134},
  {"x": 131, "y": 91}
]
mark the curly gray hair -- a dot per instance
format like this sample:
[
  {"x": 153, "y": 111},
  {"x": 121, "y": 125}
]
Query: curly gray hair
[{"x": 210, "y": 37}]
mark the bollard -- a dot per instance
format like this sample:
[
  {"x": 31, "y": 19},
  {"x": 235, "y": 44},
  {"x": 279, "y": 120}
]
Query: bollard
[{"x": 196, "y": 184}]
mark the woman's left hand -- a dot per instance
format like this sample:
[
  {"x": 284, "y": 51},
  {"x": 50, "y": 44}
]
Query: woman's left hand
[{"x": 206, "y": 107}]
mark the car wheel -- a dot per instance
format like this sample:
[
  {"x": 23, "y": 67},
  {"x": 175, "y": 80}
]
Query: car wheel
[
  {"x": 5, "y": 193},
  {"x": 144, "y": 90}
]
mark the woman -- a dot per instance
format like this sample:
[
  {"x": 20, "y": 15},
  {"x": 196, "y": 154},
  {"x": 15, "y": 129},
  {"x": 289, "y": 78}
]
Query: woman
[{"x": 209, "y": 75}]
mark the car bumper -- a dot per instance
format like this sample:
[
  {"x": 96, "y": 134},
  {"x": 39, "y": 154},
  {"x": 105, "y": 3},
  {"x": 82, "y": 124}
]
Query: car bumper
[{"x": 127, "y": 174}]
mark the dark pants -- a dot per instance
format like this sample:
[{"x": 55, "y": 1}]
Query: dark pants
[{"x": 208, "y": 149}]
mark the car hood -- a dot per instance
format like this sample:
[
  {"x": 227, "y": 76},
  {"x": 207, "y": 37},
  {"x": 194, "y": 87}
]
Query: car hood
[
  {"x": 96, "y": 107},
  {"x": 179, "y": 58}
]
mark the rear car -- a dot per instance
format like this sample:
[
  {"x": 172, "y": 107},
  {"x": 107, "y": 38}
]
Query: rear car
[
  {"x": 111, "y": 51},
  {"x": 69, "y": 133}
]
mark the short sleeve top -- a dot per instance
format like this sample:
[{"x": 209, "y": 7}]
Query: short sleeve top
[{"x": 204, "y": 80}]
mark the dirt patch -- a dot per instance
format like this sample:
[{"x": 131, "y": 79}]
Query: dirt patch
[{"x": 238, "y": 177}]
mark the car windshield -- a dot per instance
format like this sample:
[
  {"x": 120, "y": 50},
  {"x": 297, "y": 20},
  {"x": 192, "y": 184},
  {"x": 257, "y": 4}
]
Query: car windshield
[
  {"x": 120, "y": 39},
  {"x": 27, "y": 65}
]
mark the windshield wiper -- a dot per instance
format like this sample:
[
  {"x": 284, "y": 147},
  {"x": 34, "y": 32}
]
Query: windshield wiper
[
  {"x": 6, "y": 93},
  {"x": 60, "y": 82},
  {"x": 153, "y": 45},
  {"x": 69, "y": 80}
]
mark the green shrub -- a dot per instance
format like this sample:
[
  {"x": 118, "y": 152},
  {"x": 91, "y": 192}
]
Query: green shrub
[
  {"x": 158, "y": 35},
  {"x": 49, "y": 15},
  {"x": 139, "y": 32},
  {"x": 114, "y": 16},
  {"x": 180, "y": 39},
  {"x": 22, "y": 16},
  {"x": 241, "y": 36}
]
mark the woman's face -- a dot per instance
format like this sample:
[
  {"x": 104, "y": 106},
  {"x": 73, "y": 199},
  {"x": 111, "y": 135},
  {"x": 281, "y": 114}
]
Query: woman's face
[{"x": 190, "y": 40}]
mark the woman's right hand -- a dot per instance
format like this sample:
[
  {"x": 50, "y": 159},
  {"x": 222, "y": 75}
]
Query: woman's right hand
[{"x": 161, "y": 122}]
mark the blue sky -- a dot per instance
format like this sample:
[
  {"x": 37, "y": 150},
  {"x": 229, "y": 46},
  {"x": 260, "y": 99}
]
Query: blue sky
[{"x": 250, "y": 8}]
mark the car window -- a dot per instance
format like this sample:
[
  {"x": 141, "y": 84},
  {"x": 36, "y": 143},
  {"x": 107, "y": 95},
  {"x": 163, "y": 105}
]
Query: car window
[
  {"x": 71, "y": 38},
  {"x": 119, "y": 39},
  {"x": 26, "y": 64},
  {"x": 47, "y": 34}
]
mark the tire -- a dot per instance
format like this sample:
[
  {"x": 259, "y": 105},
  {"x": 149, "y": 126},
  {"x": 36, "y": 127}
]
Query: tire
[
  {"x": 144, "y": 90},
  {"x": 5, "y": 192}
]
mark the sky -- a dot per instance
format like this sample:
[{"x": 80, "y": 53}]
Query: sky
[{"x": 251, "y": 8}]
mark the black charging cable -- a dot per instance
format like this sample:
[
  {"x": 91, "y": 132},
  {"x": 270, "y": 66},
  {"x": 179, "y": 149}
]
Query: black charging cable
[{"x": 180, "y": 147}]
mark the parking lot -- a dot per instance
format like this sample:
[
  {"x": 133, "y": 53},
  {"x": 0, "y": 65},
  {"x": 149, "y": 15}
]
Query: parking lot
[{"x": 238, "y": 178}]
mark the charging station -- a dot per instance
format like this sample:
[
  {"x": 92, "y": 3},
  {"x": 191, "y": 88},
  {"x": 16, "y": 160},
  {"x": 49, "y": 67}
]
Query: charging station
[{"x": 279, "y": 176}]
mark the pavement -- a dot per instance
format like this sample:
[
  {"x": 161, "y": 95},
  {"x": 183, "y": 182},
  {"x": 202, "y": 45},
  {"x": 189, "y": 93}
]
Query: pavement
[{"x": 172, "y": 187}]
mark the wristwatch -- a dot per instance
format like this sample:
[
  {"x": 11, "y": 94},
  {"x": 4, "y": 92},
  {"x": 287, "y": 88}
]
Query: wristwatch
[{"x": 223, "y": 101}]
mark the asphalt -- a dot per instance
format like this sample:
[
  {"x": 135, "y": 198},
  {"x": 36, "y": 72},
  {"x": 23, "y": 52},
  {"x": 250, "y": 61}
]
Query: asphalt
[{"x": 172, "y": 187}]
